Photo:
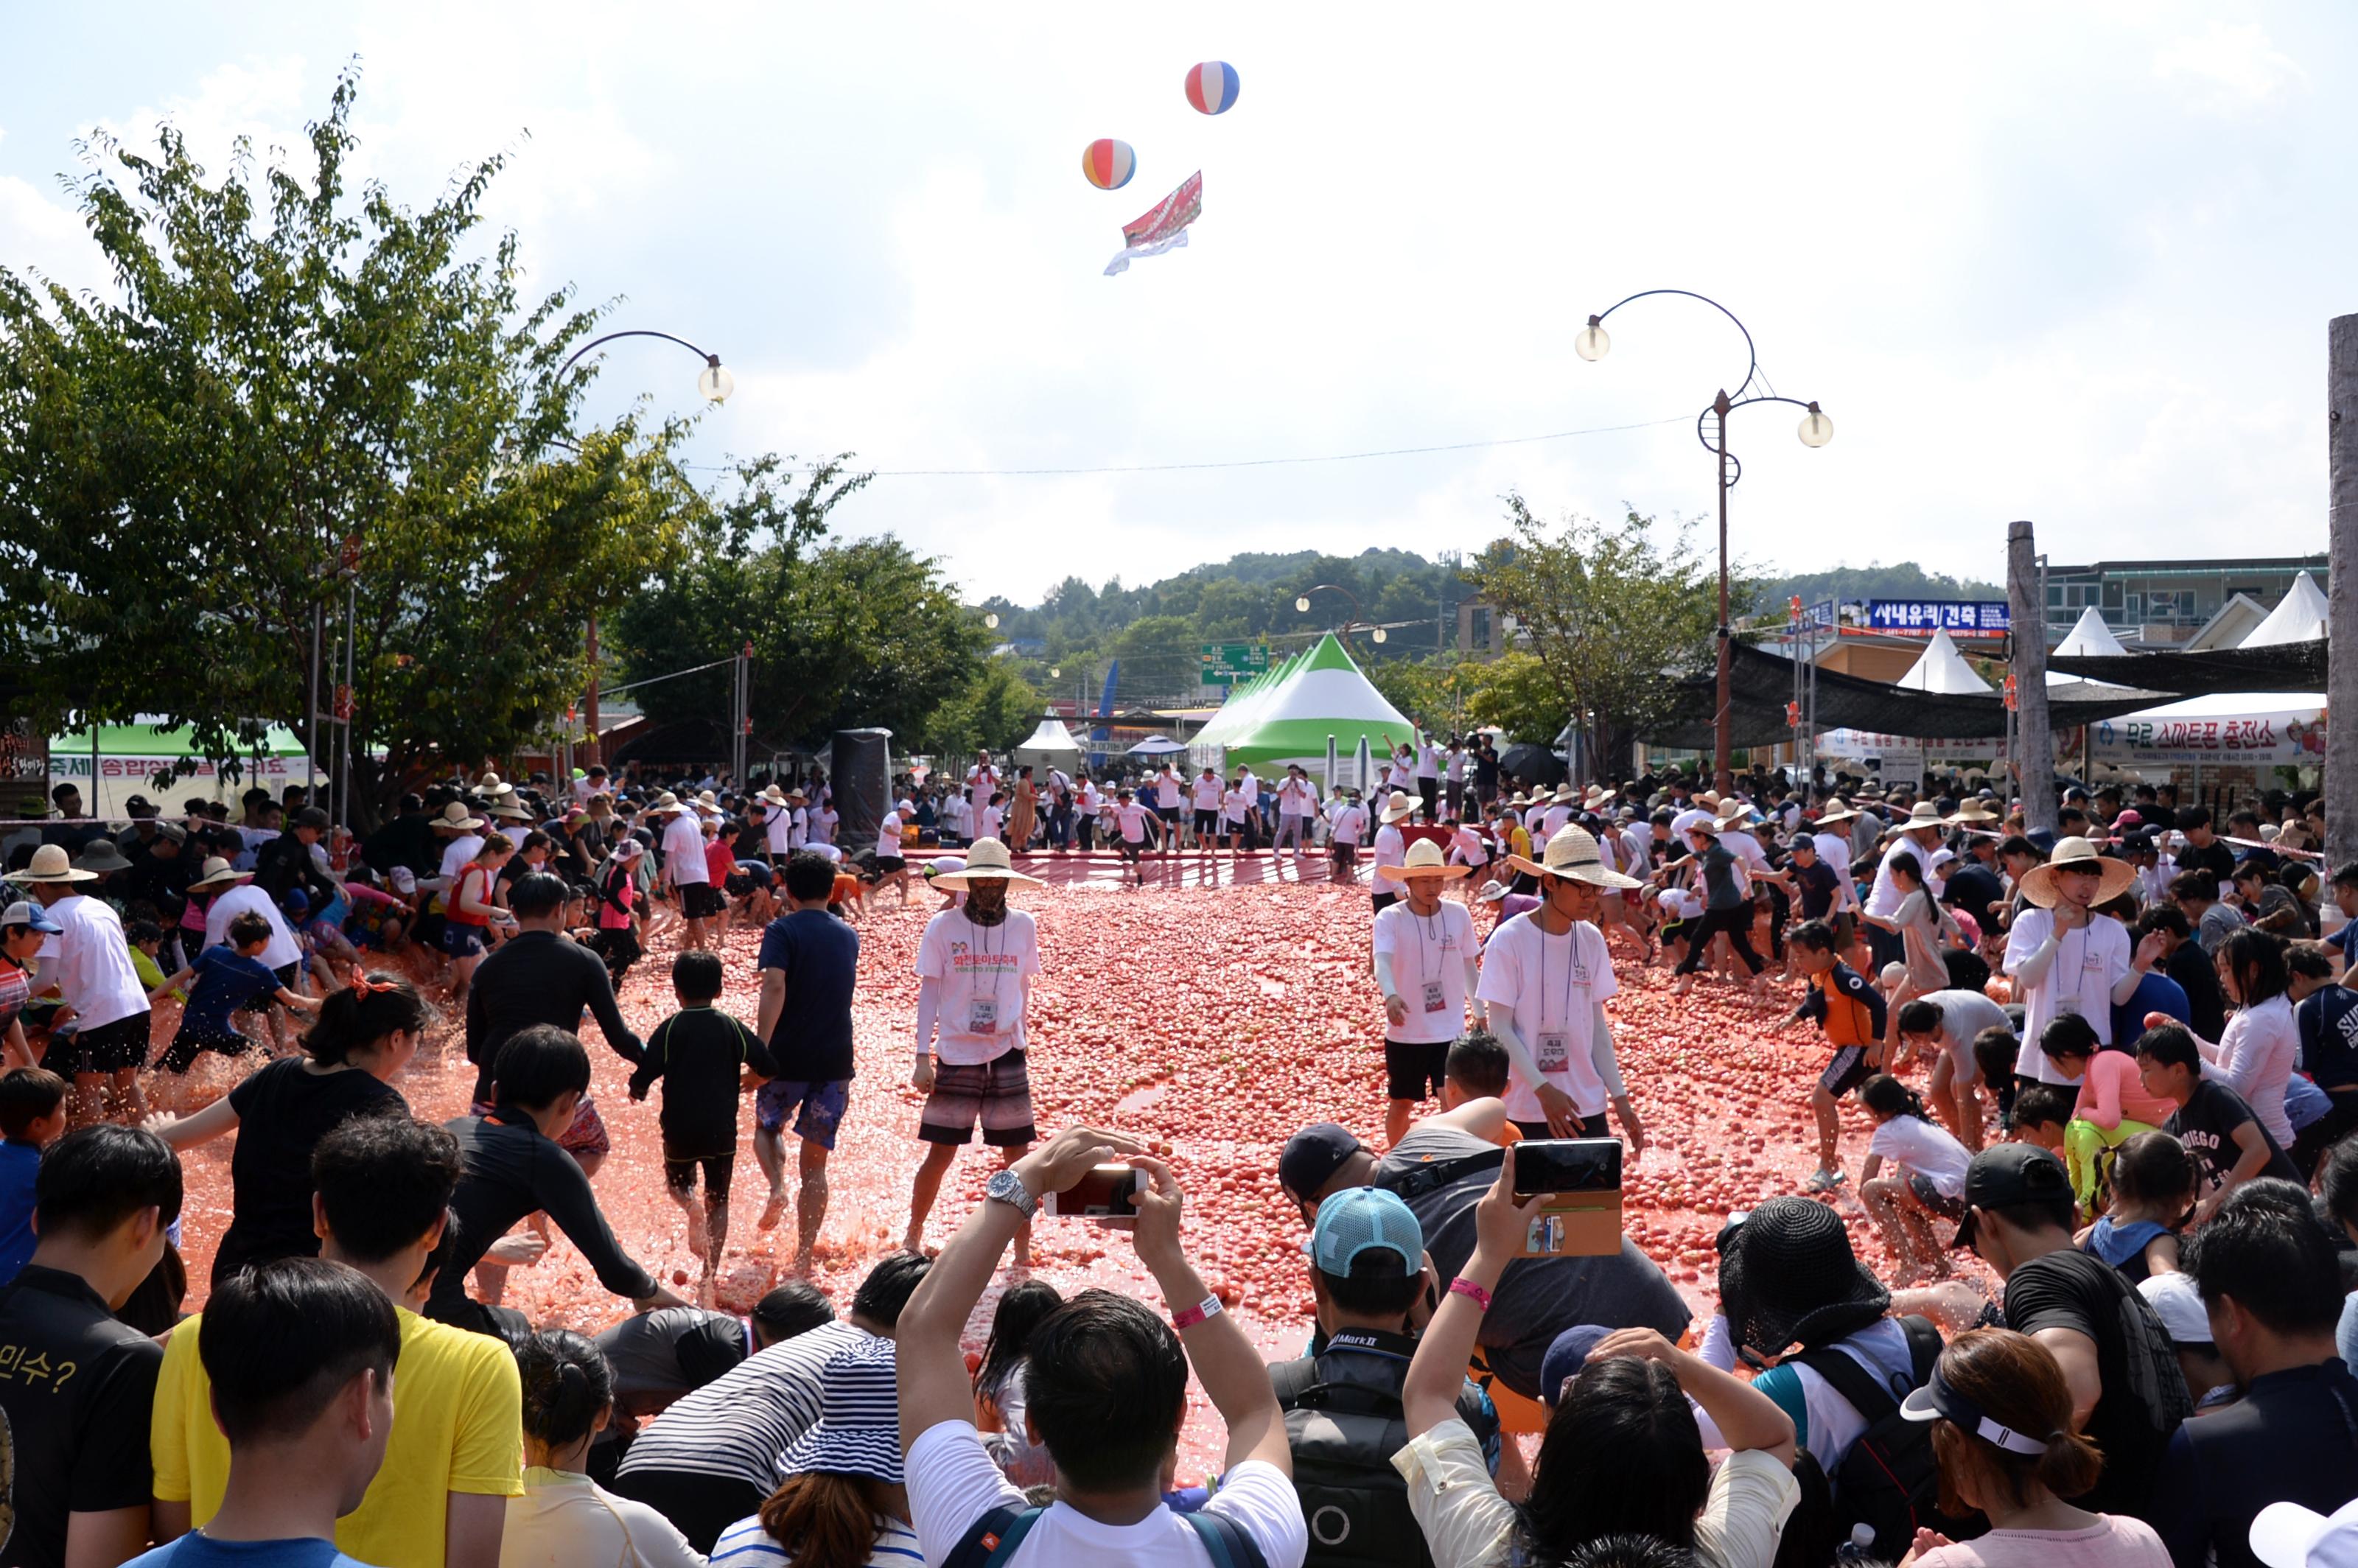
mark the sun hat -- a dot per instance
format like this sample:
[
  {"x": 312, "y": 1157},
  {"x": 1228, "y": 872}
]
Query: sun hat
[
  {"x": 51, "y": 864},
  {"x": 2179, "y": 1304},
  {"x": 457, "y": 818},
  {"x": 2286, "y": 1535},
  {"x": 1923, "y": 814},
  {"x": 26, "y": 913},
  {"x": 1423, "y": 860},
  {"x": 1938, "y": 1399},
  {"x": 1564, "y": 795},
  {"x": 1566, "y": 1354},
  {"x": 1728, "y": 810},
  {"x": 1573, "y": 854},
  {"x": 1971, "y": 813},
  {"x": 1790, "y": 1276},
  {"x": 629, "y": 850},
  {"x": 667, "y": 801},
  {"x": 507, "y": 808},
  {"x": 1399, "y": 808},
  {"x": 1836, "y": 810},
  {"x": 1491, "y": 893},
  {"x": 2005, "y": 1174},
  {"x": 986, "y": 861},
  {"x": 2038, "y": 883},
  {"x": 1365, "y": 1219},
  {"x": 102, "y": 859},
  {"x": 859, "y": 1428},
  {"x": 1312, "y": 1155},
  {"x": 775, "y": 795},
  {"x": 217, "y": 872}
]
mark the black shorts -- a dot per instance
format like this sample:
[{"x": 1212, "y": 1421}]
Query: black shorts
[
  {"x": 1130, "y": 851},
  {"x": 1345, "y": 854},
  {"x": 194, "y": 1040},
  {"x": 1590, "y": 1127},
  {"x": 700, "y": 901},
  {"x": 1168, "y": 813},
  {"x": 1380, "y": 902},
  {"x": 1208, "y": 824},
  {"x": 116, "y": 1047},
  {"x": 1414, "y": 1069},
  {"x": 1845, "y": 1072},
  {"x": 890, "y": 866},
  {"x": 679, "y": 1174},
  {"x": 1931, "y": 1197}
]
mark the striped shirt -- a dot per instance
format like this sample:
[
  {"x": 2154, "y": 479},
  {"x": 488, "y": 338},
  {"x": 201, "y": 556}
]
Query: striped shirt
[
  {"x": 746, "y": 1544},
  {"x": 738, "y": 1426}
]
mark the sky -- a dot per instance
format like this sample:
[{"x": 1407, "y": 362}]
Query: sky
[{"x": 2072, "y": 263}]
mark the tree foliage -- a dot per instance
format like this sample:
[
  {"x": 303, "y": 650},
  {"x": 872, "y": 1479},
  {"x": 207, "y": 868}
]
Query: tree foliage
[
  {"x": 996, "y": 709},
  {"x": 1614, "y": 612},
  {"x": 297, "y": 389}
]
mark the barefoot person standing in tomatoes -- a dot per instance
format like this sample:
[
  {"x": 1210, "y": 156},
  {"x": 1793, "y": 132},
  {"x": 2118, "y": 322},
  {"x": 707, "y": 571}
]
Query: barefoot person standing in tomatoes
[{"x": 975, "y": 965}]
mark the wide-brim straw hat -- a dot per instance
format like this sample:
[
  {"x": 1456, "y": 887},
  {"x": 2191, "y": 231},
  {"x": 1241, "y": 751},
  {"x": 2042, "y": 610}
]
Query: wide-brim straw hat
[
  {"x": 2038, "y": 883},
  {"x": 1423, "y": 860},
  {"x": 1730, "y": 810},
  {"x": 773, "y": 796},
  {"x": 986, "y": 861},
  {"x": 1399, "y": 808},
  {"x": 663, "y": 802},
  {"x": 51, "y": 864},
  {"x": 218, "y": 873},
  {"x": 508, "y": 809},
  {"x": 458, "y": 818},
  {"x": 1923, "y": 814},
  {"x": 1573, "y": 854},
  {"x": 1974, "y": 814}
]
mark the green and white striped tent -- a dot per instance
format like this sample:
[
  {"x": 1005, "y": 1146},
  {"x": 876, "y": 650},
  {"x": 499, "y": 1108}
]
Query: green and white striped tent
[{"x": 1291, "y": 713}]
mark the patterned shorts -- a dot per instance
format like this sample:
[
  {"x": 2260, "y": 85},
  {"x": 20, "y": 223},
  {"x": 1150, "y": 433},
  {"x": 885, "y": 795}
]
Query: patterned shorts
[
  {"x": 820, "y": 1105},
  {"x": 996, "y": 1093}
]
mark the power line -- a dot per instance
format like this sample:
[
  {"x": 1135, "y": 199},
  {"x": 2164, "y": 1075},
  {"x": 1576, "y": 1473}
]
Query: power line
[{"x": 1232, "y": 463}]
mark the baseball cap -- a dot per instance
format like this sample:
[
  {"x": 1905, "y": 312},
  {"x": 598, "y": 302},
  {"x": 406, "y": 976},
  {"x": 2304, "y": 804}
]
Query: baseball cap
[
  {"x": 2007, "y": 1173},
  {"x": 24, "y": 912},
  {"x": 2179, "y": 1304},
  {"x": 1565, "y": 1358},
  {"x": 1365, "y": 1219},
  {"x": 2286, "y": 1535},
  {"x": 1312, "y": 1157}
]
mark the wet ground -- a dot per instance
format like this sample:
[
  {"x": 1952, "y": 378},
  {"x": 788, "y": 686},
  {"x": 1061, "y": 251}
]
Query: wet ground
[{"x": 1219, "y": 1009}]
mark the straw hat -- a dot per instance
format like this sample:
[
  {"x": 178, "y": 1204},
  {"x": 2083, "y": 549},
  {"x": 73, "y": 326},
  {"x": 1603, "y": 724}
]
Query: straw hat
[
  {"x": 1923, "y": 814},
  {"x": 457, "y": 818},
  {"x": 1573, "y": 854},
  {"x": 218, "y": 873},
  {"x": 662, "y": 802},
  {"x": 1564, "y": 795},
  {"x": 1973, "y": 814},
  {"x": 51, "y": 864},
  {"x": 1423, "y": 860},
  {"x": 1730, "y": 809},
  {"x": 986, "y": 861},
  {"x": 508, "y": 809},
  {"x": 1492, "y": 893},
  {"x": 2038, "y": 883},
  {"x": 773, "y": 796},
  {"x": 1399, "y": 808},
  {"x": 1708, "y": 800}
]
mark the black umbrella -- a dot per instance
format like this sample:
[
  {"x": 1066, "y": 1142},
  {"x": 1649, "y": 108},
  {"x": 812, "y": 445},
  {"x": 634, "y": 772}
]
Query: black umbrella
[{"x": 1531, "y": 763}]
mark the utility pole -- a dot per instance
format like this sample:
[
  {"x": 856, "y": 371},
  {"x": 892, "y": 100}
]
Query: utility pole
[
  {"x": 2341, "y": 614},
  {"x": 2027, "y": 609}
]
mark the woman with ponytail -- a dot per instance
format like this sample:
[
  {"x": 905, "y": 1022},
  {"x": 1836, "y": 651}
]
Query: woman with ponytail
[
  {"x": 2002, "y": 1432},
  {"x": 365, "y": 1035},
  {"x": 1930, "y": 1183},
  {"x": 565, "y": 1519},
  {"x": 843, "y": 1503}
]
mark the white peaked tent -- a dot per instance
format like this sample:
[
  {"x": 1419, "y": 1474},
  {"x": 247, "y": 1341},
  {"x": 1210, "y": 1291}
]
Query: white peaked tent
[
  {"x": 2091, "y": 639},
  {"x": 1050, "y": 746},
  {"x": 2300, "y": 619},
  {"x": 1943, "y": 669}
]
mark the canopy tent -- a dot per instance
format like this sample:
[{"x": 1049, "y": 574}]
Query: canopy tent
[
  {"x": 1943, "y": 669},
  {"x": 1287, "y": 714},
  {"x": 1050, "y": 746},
  {"x": 2268, "y": 728},
  {"x": 2298, "y": 617},
  {"x": 128, "y": 758},
  {"x": 1155, "y": 746}
]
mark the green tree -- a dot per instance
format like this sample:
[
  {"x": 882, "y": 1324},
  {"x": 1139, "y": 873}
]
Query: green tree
[
  {"x": 997, "y": 710},
  {"x": 296, "y": 393},
  {"x": 1614, "y": 615},
  {"x": 1436, "y": 692},
  {"x": 1516, "y": 692}
]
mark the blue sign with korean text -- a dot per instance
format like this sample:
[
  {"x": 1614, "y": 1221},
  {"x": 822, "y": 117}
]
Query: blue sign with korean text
[{"x": 1922, "y": 617}]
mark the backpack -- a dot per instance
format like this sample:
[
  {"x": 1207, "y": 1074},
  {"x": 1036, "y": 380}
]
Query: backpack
[
  {"x": 1343, "y": 1432},
  {"x": 992, "y": 1539},
  {"x": 1889, "y": 1481}
]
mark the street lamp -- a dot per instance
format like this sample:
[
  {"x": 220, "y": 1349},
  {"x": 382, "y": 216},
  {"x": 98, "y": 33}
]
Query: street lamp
[
  {"x": 1358, "y": 616},
  {"x": 1594, "y": 343}
]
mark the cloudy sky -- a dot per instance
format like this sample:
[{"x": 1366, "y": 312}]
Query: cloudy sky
[{"x": 2067, "y": 263}]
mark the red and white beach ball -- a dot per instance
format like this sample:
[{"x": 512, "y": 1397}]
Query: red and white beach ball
[{"x": 1212, "y": 87}]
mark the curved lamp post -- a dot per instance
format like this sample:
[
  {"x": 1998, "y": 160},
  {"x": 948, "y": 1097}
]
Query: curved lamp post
[
  {"x": 1816, "y": 431},
  {"x": 1359, "y": 614}
]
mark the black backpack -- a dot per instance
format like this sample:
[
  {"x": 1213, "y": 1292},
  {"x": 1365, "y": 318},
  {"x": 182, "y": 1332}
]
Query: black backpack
[
  {"x": 1343, "y": 1433},
  {"x": 992, "y": 1539},
  {"x": 1889, "y": 1481}
]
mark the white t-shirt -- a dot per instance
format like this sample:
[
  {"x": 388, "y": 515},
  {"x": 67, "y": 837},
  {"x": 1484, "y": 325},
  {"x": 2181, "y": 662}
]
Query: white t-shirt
[
  {"x": 682, "y": 843},
  {"x": 1883, "y": 898},
  {"x": 1834, "y": 849},
  {"x": 455, "y": 856},
  {"x": 564, "y": 1517},
  {"x": 1928, "y": 1151},
  {"x": 93, "y": 972},
  {"x": 1681, "y": 903},
  {"x": 1428, "y": 965},
  {"x": 1294, "y": 798},
  {"x": 1251, "y": 787},
  {"x": 1428, "y": 759},
  {"x": 1693, "y": 816},
  {"x": 1466, "y": 847},
  {"x": 822, "y": 825},
  {"x": 2079, "y": 980},
  {"x": 1550, "y": 987},
  {"x": 979, "y": 783},
  {"x": 1350, "y": 823},
  {"x": 981, "y": 970},
  {"x": 1232, "y": 807},
  {"x": 778, "y": 830},
  {"x": 888, "y": 836},
  {"x": 1453, "y": 769},
  {"x": 1131, "y": 818},
  {"x": 1207, "y": 794},
  {"x": 1166, "y": 790},
  {"x": 987, "y": 824},
  {"x": 953, "y": 1482},
  {"x": 1391, "y": 849},
  {"x": 1085, "y": 798},
  {"x": 828, "y": 852},
  {"x": 1552, "y": 823},
  {"x": 281, "y": 950}
]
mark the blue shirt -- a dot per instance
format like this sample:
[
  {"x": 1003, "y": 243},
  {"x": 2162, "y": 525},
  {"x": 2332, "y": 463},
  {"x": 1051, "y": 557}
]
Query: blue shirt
[
  {"x": 226, "y": 981},
  {"x": 819, "y": 956},
  {"x": 196, "y": 1551},
  {"x": 19, "y": 1163},
  {"x": 2154, "y": 993}
]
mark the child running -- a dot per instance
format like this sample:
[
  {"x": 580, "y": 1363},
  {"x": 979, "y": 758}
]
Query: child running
[
  {"x": 1931, "y": 1183},
  {"x": 2152, "y": 1179},
  {"x": 1850, "y": 1014},
  {"x": 228, "y": 977},
  {"x": 1133, "y": 823},
  {"x": 703, "y": 1054}
]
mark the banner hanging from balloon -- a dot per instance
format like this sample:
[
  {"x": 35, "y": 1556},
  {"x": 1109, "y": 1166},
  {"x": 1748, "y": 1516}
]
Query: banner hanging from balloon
[{"x": 1162, "y": 228}]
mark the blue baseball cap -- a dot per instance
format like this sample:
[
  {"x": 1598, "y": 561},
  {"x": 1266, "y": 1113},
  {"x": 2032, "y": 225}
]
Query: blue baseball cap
[
  {"x": 24, "y": 912},
  {"x": 1565, "y": 1358},
  {"x": 1364, "y": 1219}
]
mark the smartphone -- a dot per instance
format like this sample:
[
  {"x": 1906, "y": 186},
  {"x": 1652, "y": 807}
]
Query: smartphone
[
  {"x": 1567, "y": 1165},
  {"x": 1109, "y": 1194}
]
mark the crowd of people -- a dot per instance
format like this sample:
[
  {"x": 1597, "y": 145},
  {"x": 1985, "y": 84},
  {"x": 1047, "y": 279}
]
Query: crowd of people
[{"x": 2138, "y": 1122}]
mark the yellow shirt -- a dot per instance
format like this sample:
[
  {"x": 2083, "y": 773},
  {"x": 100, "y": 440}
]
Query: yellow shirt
[{"x": 458, "y": 1426}]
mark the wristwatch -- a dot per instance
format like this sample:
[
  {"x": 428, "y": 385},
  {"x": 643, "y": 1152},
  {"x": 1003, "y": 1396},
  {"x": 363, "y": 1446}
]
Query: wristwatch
[{"x": 1009, "y": 1188}]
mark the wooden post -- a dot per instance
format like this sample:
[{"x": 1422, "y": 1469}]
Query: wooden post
[
  {"x": 2341, "y": 614},
  {"x": 2029, "y": 613}
]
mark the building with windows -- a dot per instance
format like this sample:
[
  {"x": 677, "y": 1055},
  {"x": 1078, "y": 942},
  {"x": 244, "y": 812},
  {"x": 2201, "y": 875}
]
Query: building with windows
[{"x": 2168, "y": 604}]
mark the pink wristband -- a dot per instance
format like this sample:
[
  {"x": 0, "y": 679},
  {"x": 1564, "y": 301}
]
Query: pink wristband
[
  {"x": 1208, "y": 1307},
  {"x": 1462, "y": 1286}
]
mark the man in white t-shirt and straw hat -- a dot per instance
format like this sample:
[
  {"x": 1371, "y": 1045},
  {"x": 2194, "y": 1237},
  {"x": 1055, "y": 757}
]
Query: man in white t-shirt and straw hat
[
  {"x": 1545, "y": 976},
  {"x": 1425, "y": 969},
  {"x": 974, "y": 964},
  {"x": 2064, "y": 956},
  {"x": 1391, "y": 845},
  {"x": 100, "y": 991}
]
